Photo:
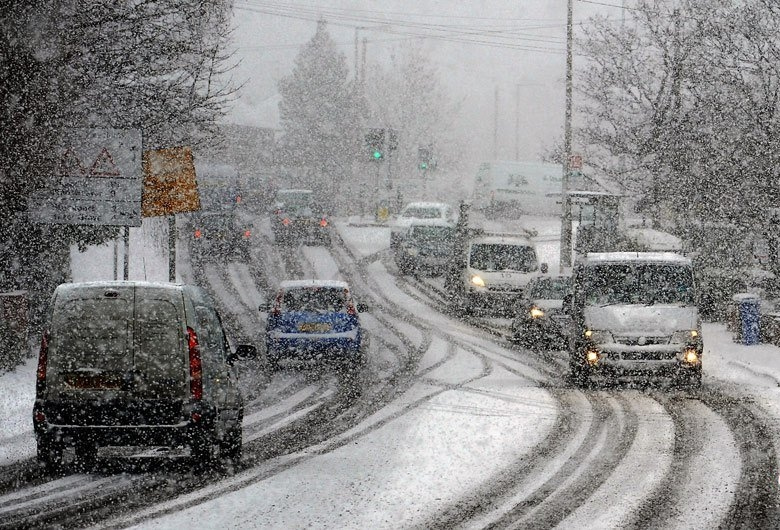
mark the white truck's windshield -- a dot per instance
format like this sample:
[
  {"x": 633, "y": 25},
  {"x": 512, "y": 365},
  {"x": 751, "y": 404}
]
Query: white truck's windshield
[{"x": 646, "y": 283}]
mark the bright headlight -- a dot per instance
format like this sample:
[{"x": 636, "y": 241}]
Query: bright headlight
[
  {"x": 686, "y": 336},
  {"x": 536, "y": 312},
  {"x": 598, "y": 336},
  {"x": 476, "y": 280}
]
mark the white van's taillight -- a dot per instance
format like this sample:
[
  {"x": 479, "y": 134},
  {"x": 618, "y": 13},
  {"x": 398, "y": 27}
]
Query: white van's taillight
[
  {"x": 43, "y": 361},
  {"x": 196, "y": 368}
]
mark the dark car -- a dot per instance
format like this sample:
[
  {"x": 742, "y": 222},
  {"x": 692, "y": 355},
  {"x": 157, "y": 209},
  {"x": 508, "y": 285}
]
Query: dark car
[
  {"x": 537, "y": 323},
  {"x": 426, "y": 247},
  {"x": 314, "y": 320},
  {"x": 217, "y": 229},
  {"x": 298, "y": 218},
  {"x": 128, "y": 363}
]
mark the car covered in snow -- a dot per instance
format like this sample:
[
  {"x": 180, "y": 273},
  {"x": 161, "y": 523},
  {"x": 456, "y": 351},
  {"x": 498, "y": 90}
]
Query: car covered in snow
[
  {"x": 298, "y": 217},
  {"x": 426, "y": 247},
  {"x": 634, "y": 314},
  {"x": 539, "y": 321},
  {"x": 314, "y": 320},
  {"x": 417, "y": 211},
  {"x": 218, "y": 230}
]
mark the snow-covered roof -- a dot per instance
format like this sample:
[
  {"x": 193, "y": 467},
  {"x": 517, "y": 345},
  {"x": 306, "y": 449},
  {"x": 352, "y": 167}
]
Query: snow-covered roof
[
  {"x": 301, "y": 284},
  {"x": 636, "y": 257},
  {"x": 426, "y": 204},
  {"x": 502, "y": 240},
  {"x": 293, "y": 190},
  {"x": 431, "y": 222},
  {"x": 117, "y": 283}
]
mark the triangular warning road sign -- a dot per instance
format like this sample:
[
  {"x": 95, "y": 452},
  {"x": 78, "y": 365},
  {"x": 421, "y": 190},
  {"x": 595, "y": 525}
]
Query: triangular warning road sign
[
  {"x": 70, "y": 165},
  {"x": 104, "y": 165}
]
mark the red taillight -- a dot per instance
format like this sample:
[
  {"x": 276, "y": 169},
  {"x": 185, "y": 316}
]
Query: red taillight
[
  {"x": 247, "y": 234},
  {"x": 238, "y": 199},
  {"x": 276, "y": 310},
  {"x": 350, "y": 306},
  {"x": 198, "y": 234},
  {"x": 196, "y": 369},
  {"x": 285, "y": 221},
  {"x": 43, "y": 361},
  {"x": 39, "y": 417},
  {"x": 324, "y": 223}
]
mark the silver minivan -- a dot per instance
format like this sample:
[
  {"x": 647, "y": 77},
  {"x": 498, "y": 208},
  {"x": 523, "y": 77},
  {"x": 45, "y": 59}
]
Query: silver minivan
[
  {"x": 125, "y": 363},
  {"x": 634, "y": 314}
]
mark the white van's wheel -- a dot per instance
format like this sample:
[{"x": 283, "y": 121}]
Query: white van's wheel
[
  {"x": 203, "y": 449},
  {"x": 231, "y": 446},
  {"x": 86, "y": 456},
  {"x": 50, "y": 454}
]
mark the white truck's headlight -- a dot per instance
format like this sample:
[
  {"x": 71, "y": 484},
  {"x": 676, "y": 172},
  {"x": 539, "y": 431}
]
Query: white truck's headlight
[
  {"x": 477, "y": 280},
  {"x": 598, "y": 336},
  {"x": 536, "y": 312}
]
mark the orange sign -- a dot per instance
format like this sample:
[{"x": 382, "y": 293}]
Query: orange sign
[{"x": 169, "y": 182}]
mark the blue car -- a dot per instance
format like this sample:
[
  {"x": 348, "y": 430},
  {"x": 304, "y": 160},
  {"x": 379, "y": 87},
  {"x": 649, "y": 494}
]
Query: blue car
[{"x": 314, "y": 320}]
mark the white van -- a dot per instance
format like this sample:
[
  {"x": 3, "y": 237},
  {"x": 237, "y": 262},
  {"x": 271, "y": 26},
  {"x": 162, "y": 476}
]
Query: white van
[
  {"x": 634, "y": 314},
  {"x": 495, "y": 273},
  {"x": 128, "y": 363}
]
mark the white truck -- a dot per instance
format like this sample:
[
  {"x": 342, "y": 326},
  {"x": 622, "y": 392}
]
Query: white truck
[
  {"x": 491, "y": 266},
  {"x": 518, "y": 188}
]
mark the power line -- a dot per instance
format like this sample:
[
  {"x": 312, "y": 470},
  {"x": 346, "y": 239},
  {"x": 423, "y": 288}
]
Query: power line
[{"x": 495, "y": 38}]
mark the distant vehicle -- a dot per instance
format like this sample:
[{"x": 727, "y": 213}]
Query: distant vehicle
[
  {"x": 493, "y": 274},
  {"x": 314, "y": 320},
  {"x": 298, "y": 218},
  {"x": 417, "y": 211},
  {"x": 426, "y": 247},
  {"x": 512, "y": 188},
  {"x": 538, "y": 321},
  {"x": 218, "y": 230},
  {"x": 136, "y": 363},
  {"x": 634, "y": 314}
]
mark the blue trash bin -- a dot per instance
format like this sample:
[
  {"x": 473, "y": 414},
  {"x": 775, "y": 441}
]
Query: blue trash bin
[{"x": 750, "y": 318}]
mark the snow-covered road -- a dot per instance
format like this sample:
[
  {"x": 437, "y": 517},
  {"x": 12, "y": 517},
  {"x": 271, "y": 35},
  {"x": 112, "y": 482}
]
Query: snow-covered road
[{"x": 449, "y": 425}]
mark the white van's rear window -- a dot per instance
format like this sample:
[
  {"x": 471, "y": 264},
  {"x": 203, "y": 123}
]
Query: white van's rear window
[{"x": 93, "y": 334}]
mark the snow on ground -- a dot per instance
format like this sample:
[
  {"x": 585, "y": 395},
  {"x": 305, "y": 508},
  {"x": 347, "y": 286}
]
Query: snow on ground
[
  {"x": 393, "y": 476},
  {"x": 394, "y": 472}
]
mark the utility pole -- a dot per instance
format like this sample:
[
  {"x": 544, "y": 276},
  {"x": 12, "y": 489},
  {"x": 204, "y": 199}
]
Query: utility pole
[
  {"x": 363, "y": 61},
  {"x": 566, "y": 224},
  {"x": 495, "y": 124},
  {"x": 357, "y": 57},
  {"x": 517, "y": 121}
]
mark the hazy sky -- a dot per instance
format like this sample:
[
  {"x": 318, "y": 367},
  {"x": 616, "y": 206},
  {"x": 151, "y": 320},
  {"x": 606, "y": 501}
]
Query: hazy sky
[{"x": 480, "y": 47}]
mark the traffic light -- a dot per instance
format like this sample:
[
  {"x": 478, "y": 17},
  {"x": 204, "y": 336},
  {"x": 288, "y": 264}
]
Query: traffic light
[
  {"x": 424, "y": 158},
  {"x": 375, "y": 142}
]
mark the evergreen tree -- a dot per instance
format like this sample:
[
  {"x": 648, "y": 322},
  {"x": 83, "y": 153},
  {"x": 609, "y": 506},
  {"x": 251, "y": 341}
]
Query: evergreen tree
[{"x": 321, "y": 112}]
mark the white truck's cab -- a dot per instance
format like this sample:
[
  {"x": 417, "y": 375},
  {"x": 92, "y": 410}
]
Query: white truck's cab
[
  {"x": 495, "y": 273},
  {"x": 634, "y": 314}
]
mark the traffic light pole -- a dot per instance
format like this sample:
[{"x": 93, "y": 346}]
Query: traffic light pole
[{"x": 566, "y": 217}]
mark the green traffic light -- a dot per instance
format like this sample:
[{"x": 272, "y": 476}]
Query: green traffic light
[
  {"x": 377, "y": 155},
  {"x": 423, "y": 165}
]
